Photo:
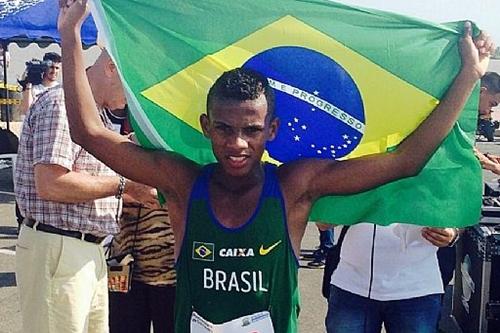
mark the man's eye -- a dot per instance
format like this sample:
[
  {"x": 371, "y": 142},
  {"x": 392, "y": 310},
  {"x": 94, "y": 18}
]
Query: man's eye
[
  {"x": 223, "y": 128},
  {"x": 252, "y": 130}
]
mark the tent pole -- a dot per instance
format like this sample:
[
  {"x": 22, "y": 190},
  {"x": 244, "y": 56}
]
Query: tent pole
[{"x": 5, "y": 45}]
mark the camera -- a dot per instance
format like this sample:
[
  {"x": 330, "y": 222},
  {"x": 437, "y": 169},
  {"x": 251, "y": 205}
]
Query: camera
[
  {"x": 35, "y": 69},
  {"x": 486, "y": 128}
]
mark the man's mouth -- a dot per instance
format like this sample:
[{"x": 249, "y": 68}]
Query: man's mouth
[{"x": 237, "y": 161}]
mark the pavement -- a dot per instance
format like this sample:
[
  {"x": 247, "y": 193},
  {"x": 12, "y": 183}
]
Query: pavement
[
  {"x": 313, "y": 310},
  {"x": 9, "y": 305}
]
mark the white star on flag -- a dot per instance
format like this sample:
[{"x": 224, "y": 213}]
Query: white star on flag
[{"x": 12, "y": 7}]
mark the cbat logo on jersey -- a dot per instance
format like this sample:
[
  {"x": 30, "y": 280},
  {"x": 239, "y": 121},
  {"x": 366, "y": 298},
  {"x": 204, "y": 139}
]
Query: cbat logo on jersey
[
  {"x": 203, "y": 251},
  {"x": 317, "y": 102}
]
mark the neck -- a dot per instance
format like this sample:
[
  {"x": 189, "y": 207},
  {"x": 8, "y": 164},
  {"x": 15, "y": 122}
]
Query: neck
[
  {"x": 120, "y": 113},
  {"x": 238, "y": 184},
  {"x": 48, "y": 83}
]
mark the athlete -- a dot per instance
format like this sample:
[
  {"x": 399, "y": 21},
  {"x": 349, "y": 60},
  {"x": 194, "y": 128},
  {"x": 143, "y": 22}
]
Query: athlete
[{"x": 238, "y": 223}]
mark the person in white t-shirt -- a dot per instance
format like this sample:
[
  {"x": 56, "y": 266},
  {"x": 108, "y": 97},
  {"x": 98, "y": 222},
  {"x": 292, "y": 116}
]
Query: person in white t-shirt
[
  {"x": 50, "y": 79},
  {"x": 388, "y": 275}
]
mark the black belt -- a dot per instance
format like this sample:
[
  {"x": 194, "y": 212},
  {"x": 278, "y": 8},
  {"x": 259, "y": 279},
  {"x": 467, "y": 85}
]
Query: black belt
[{"x": 53, "y": 230}]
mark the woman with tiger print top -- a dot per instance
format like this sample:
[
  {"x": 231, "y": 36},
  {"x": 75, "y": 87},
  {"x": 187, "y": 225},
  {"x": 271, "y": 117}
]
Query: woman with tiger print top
[{"x": 152, "y": 295}]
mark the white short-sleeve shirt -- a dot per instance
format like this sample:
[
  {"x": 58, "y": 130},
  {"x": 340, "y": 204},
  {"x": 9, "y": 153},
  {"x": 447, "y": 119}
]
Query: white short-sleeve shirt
[{"x": 404, "y": 264}]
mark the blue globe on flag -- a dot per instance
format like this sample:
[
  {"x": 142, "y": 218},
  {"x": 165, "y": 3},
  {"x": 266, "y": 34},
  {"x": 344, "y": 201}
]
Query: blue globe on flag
[{"x": 318, "y": 104}]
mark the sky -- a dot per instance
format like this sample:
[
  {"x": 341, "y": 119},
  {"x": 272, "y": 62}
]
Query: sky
[{"x": 485, "y": 13}]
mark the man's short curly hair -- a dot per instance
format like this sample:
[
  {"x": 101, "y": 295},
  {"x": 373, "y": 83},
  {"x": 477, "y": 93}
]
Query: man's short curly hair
[
  {"x": 491, "y": 80},
  {"x": 241, "y": 84},
  {"x": 52, "y": 56}
]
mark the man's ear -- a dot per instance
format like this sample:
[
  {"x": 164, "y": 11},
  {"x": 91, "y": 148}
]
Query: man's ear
[
  {"x": 205, "y": 124},
  {"x": 110, "y": 68},
  {"x": 483, "y": 90},
  {"x": 273, "y": 128}
]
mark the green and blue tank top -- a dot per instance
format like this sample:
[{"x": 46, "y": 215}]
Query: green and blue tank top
[{"x": 226, "y": 273}]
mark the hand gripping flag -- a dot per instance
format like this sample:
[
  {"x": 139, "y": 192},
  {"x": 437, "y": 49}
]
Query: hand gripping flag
[{"x": 348, "y": 82}]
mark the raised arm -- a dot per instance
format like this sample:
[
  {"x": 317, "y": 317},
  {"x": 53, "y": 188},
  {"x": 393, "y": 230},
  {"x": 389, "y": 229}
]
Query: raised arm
[
  {"x": 86, "y": 126},
  {"x": 27, "y": 99},
  {"x": 323, "y": 177}
]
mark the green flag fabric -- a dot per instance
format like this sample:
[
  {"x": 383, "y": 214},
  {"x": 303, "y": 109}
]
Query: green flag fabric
[{"x": 348, "y": 81}]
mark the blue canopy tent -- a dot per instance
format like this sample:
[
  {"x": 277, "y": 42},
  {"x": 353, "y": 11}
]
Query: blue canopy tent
[{"x": 34, "y": 21}]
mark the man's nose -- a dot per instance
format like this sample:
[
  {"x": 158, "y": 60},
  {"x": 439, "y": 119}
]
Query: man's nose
[{"x": 238, "y": 140}]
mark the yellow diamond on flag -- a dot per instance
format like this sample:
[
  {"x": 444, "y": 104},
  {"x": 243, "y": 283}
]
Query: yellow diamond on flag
[
  {"x": 384, "y": 95},
  {"x": 203, "y": 251}
]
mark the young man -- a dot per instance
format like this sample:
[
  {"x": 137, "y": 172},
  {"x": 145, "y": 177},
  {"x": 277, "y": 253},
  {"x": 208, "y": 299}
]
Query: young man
[
  {"x": 490, "y": 94},
  {"x": 489, "y": 98},
  {"x": 49, "y": 80},
  {"x": 238, "y": 223}
]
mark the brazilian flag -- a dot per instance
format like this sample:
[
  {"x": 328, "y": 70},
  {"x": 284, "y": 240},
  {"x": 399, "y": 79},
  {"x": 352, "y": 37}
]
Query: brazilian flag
[{"x": 349, "y": 82}]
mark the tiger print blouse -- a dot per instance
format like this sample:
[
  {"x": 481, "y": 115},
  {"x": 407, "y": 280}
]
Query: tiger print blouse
[{"x": 154, "y": 244}]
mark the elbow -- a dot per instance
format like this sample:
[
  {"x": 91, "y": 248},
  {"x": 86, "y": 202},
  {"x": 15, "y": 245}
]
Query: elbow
[
  {"x": 76, "y": 135},
  {"x": 404, "y": 165},
  {"x": 412, "y": 171},
  {"x": 49, "y": 184},
  {"x": 24, "y": 108},
  {"x": 46, "y": 192},
  {"x": 84, "y": 136},
  {"x": 409, "y": 166},
  {"x": 51, "y": 192},
  {"x": 76, "y": 131}
]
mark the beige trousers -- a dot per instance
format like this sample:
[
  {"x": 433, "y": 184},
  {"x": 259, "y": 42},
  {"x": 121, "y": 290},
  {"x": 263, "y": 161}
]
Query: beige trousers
[{"x": 62, "y": 283}]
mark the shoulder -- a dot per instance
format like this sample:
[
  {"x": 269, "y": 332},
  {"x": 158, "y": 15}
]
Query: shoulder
[
  {"x": 37, "y": 89},
  {"x": 296, "y": 175},
  {"x": 180, "y": 171},
  {"x": 49, "y": 104},
  {"x": 48, "y": 95}
]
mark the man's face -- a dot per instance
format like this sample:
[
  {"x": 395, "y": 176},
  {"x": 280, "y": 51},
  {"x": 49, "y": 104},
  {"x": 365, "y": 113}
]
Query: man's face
[
  {"x": 487, "y": 101},
  {"x": 239, "y": 131},
  {"x": 52, "y": 73},
  {"x": 116, "y": 94}
]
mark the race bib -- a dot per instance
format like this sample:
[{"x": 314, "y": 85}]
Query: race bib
[{"x": 256, "y": 322}]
